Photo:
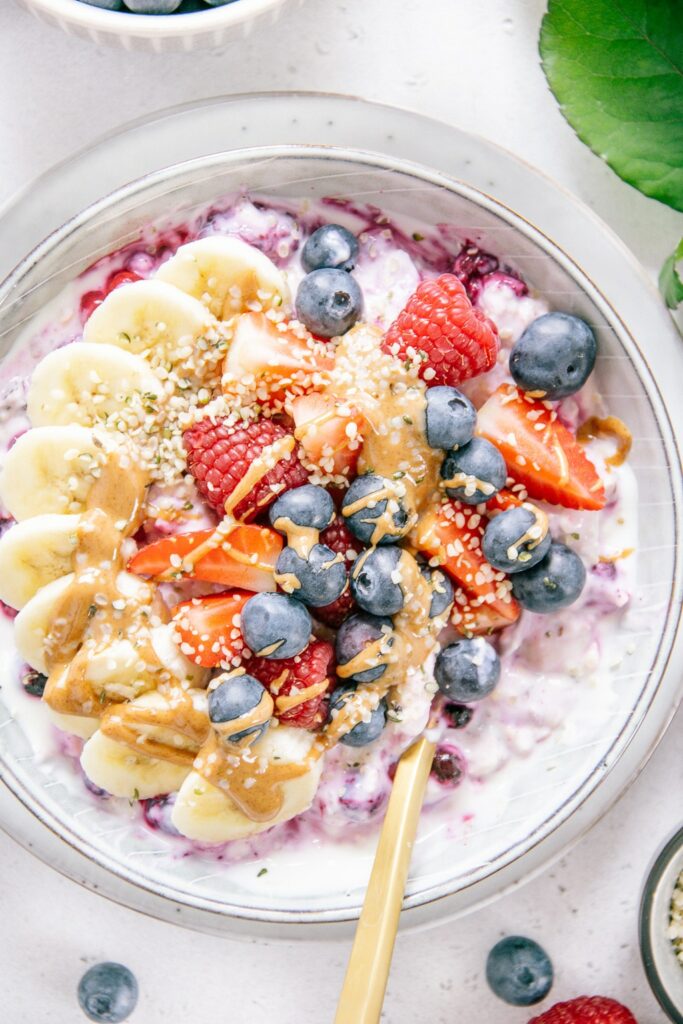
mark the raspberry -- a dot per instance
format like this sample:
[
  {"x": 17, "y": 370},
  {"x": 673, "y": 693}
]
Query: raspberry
[
  {"x": 441, "y": 331},
  {"x": 339, "y": 538},
  {"x": 586, "y": 1010},
  {"x": 219, "y": 455},
  {"x": 288, "y": 676}
]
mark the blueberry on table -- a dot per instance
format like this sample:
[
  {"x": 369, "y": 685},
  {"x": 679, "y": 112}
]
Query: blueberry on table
[
  {"x": 467, "y": 670},
  {"x": 328, "y": 302},
  {"x": 475, "y": 472},
  {"x": 375, "y": 582},
  {"x": 516, "y": 539},
  {"x": 275, "y": 626},
  {"x": 317, "y": 580},
  {"x": 330, "y": 246},
  {"x": 519, "y": 971},
  {"x": 374, "y": 510},
  {"x": 152, "y": 6},
  {"x": 366, "y": 731},
  {"x": 443, "y": 593},
  {"x": 108, "y": 993},
  {"x": 242, "y": 706},
  {"x": 555, "y": 582},
  {"x": 555, "y": 356},
  {"x": 450, "y": 418},
  {"x": 309, "y": 507},
  {"x": 355, "y": 635}
]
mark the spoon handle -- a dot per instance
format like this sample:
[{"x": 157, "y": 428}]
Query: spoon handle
[{"x": 365, "y": 983}]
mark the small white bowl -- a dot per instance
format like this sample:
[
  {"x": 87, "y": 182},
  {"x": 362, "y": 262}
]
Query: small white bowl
[{"x": 159, "y": 33}]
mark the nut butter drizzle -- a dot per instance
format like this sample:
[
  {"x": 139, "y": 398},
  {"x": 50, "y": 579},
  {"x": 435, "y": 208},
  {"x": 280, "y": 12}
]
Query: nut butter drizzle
[
  {"x": 88, "y": 608},
  {"x": 610, "y": 426},
  {"x": 173, "y": 728}
]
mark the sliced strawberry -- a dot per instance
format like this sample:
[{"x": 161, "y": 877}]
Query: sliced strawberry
[
  {"x": 299, "y": 685},
  {"x": 503, "y": 500},
  {"x": 329, "y": 433},
  {"x": 245, "y": 559},
  {"x": 471, "y": 616},
  {"x": 539, "y": 451},
  {"x": 209, "y": 628},
  {"x": 453, "y": 535},
  {"x": 275, "y": 359}
]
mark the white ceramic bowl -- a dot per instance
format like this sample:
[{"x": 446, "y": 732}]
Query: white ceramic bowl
[
  {"x": 539, "y": 822},
  {"x": 159, "y": 33}
]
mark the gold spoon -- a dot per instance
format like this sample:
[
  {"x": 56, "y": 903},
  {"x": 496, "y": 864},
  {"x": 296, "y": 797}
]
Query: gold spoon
[{"x": 367, "y": 973}]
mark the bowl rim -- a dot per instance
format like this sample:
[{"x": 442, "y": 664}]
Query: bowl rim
[
  {"x": 672, "y": 850},
  {"x": 149, "y": 25},
  {"x": 441, "y": 891}
]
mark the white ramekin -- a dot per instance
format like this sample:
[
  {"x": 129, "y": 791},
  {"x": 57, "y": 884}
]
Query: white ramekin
[{"x": 158, "y": 33}]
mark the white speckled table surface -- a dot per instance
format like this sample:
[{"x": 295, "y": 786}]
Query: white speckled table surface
[{"x": 474, "y": 65}]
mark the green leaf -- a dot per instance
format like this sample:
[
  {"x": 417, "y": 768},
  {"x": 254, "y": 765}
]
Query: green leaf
[
  {"x": 616, "y": 69},
  {"x": 670, "y": 283}
]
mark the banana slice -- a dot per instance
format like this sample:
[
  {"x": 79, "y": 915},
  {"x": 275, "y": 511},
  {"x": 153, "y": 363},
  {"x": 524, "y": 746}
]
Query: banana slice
[
  {"x": 36, "y": 552},
  {"x": 121, "y": 771},
  {"x": 172, "y": 658},
  {"x": 76, "y": 725},
  {"x": 227, "y": 275},
  {"x": 151, "y": 319},
  {"x": 35, "y": 619},
  {"x": 87, "y": 384},
  {"x": 51, "y": 469},
  {"x": 204, "y": 813}
]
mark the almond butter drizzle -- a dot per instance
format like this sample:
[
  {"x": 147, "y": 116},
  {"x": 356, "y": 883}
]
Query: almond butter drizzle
[
  {"x": 87, "y": 619},
  {"x": 470, "y": 483},
  {"x": 610, "y": 426},
  {"x": 173, "y": 729},
  {"x": 532, "y": 537}
]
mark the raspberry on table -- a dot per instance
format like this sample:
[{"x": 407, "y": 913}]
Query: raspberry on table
[
  {"x": 219, "y": 454},
  {"x": 443, "y": 334},
  {"x": 339, "y": 538},
  {"x": 287, "y": 676},
  {"x": 586, "y": 1010}
]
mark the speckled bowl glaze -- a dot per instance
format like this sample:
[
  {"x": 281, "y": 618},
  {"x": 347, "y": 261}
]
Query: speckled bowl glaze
[
  {"x": 545, "y": 815},
  {"x": 159, "y": 33}
]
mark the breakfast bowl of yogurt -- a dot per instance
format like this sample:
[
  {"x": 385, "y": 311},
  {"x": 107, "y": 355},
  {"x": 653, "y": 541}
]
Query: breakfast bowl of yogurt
[{"x": 305, "y": 452}]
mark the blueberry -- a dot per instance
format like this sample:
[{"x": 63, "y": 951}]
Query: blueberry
[
  {"x": 519, "y": 971},
  {"x": 108, "y": 993},
  {"x": 308, "y": 506},
  {"x": 275, "y": 626},
  {"x": 321, "y": 575},
  {"x": 504, "y": 545},
  {"x": 442, "y": 590},
  {"x": 354, "y": 635},
  {"x": 328, "y": 302},
  {"x": 237, "y": 698},
  {"x": 105, "y": 5},
  {"x": 467, "y": 670},
  {"x": 448, "y": 766},
  {"x": 554, "y": 583},
  {"x": 458, "y": 716},
  {"x": 33, "y": 682},
  {"x": 330, "y": 246},
  {"x": 152, "y": 6},
  {"x": 371, "y": 521},
  {"x": 364, "y": 732},
  {"x": 555, "y": 355},
  {"x": 450, "y": 418},
  {"x": 476, "y": 471},
  {"x": 373, "y": 581}
]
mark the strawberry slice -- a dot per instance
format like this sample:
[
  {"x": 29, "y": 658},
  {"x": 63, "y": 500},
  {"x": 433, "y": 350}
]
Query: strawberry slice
[
  {"x": 329, "y": 433},
  {"x": 471, "y": 616},
  {"x": 539, "y": 451},
  {"x": 209, "y": 628},
  {"x": 453, "y": 535},
  {"x": 246, "y": 558},
  {"x": 275, "y": 358},
  {"x": 503, "y": 500}
]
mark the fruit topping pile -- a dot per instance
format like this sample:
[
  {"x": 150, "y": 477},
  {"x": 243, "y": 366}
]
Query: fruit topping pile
[{"x": 359, "y": 518}]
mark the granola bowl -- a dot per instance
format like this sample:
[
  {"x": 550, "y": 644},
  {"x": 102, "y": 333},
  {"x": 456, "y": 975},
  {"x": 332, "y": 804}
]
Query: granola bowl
[{"x": 540, "y": 773}]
